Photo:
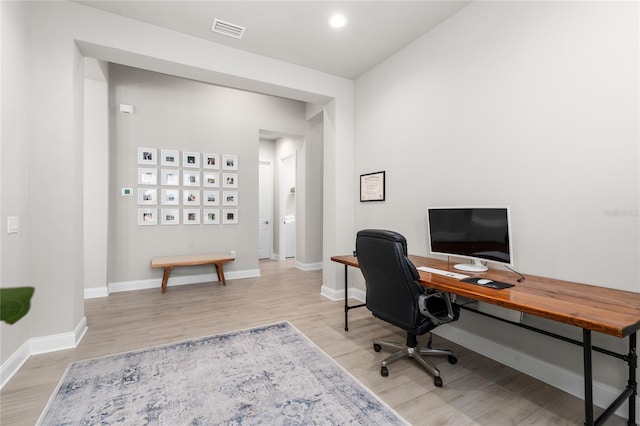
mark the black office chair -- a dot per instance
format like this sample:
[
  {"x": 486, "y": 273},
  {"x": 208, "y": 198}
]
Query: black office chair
[{"x": 395, "y": 295}]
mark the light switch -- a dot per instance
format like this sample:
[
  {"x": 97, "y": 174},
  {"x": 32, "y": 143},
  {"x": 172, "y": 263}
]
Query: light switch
[{"x": 12, "y": 225}]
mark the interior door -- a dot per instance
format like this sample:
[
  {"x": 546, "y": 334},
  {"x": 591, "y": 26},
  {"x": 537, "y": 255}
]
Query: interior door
[{"x": 265, "y": 210}]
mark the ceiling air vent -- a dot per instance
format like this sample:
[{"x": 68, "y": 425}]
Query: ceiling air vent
[{"x": 227, "y": 28}]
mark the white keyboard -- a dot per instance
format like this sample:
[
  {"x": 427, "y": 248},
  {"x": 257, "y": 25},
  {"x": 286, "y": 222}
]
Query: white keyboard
[{"x": 441, "y": 272}]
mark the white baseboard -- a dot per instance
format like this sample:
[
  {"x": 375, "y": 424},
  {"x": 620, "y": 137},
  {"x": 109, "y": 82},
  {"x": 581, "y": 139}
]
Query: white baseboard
[
  {"x": 180, "y": 280},
  {"x": 335, "y": 295},
  {"x": 553, "y": 375},
  {"x": 309, "y": 266},
  {"x": 40, "y": 345},
  {"x": 95, "y": 292}
]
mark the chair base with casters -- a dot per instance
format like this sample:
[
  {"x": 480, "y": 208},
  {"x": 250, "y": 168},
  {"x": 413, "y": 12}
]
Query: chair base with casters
[{"x": 411, "y": 350}]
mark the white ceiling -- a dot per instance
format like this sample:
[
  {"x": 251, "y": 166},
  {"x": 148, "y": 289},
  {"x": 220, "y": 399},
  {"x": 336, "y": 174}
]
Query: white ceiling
[{"x": 298, "y": 31}]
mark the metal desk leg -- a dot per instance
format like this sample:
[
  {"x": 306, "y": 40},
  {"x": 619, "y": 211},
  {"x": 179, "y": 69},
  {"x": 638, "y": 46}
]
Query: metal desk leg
[
  {"x": 632, "y": 384},
  {"x": 346, "y": 302},
  {"x": 588, "y": 378}
]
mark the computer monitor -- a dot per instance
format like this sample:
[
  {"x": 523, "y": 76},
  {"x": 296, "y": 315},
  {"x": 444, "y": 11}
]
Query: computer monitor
[{"x": 482, "y": 234}]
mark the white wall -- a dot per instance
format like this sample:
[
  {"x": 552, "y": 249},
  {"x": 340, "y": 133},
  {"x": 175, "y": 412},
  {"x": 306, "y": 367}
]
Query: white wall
[
  {"x": 186, "y": 115},
  {"x": 529, "y": 104}
]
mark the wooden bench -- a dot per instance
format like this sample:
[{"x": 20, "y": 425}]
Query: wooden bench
[{"x": 168, "y": 263}]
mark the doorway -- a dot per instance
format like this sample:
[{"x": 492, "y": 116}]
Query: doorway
[{"x": 288, "y": 205}]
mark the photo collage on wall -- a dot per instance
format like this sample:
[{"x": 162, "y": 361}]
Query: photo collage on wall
[{"x": 200, "y": 189}]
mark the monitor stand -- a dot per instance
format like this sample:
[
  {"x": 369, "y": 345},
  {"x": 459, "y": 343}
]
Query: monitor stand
[{"x": 476, "y": 266}]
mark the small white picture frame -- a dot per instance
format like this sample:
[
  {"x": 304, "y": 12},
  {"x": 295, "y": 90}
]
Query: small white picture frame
[
  {"x": 147, "y": 176},
  {"x": 190, "y": 178},
  {"x": 190, "y": 197},
  {"x": 191, "y": 159},
  {"x": 230, "y": 216},
  {"x": 230, "y": 162},
  {"x": 229, "y": 180},
  {"x": 170, "y": 197},
  {"x": 147, "y": 196},
  {"x": 229, "y": 198},
  {"x": 170, "y": 177},
  {"x": 148, "y": 156},
  {"x": 211, "y": 179},
  {"x": 210, "y": 161},
  {"x": 170, "y": 157},
  {"x": 211, "y": 216},
  {"x": 191, "y": 216},
  {"x": 170, "y": 217},
  {"x": 210, "y": 198},
  {"x": 147, "y": 216}
]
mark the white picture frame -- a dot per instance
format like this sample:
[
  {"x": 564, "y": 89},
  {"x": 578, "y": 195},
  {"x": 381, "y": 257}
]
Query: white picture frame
[
  {"x": 148, "y": 156},
  {"x": 170, "y": 197},
  {"x": 211, "y": 216},
  {"x": 210, "y": 161},
  {"x": 191, "y": 216},
  {"x": 170, "y": 157},
  {"x": 170, "y": 177},
  {"x": 147, "y": 176},
  {"x": 170, "y": 217},
  {"x": 210, "y": 198},
  {"x": 229, "y": 198},
  {"x": 230, "y": 216},
  {"x": 147, "y": 217},
  {"x": 230, "y": 162},
  {"x": 211, "y": 179},
  {"x": 191, "y": 159},
  {"x": 190, "y": 178},
  {"x": 147, "y": 196},
  {"x": 190, "y": 197},
  {"x": 229, "y": 180}
]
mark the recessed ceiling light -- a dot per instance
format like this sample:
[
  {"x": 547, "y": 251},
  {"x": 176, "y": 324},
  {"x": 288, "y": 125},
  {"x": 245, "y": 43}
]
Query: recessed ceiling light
[{"x": 338, "y": 20}]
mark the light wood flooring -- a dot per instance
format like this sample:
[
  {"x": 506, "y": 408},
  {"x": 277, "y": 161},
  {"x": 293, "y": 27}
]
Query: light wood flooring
[{"x": 477, "y": 390}]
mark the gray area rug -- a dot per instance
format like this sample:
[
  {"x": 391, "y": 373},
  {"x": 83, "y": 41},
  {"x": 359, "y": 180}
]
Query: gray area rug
[{"x": 266, "y": 375}]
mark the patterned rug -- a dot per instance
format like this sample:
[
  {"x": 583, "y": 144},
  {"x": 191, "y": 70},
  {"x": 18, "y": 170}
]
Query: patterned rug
[{"x": 266, "y": 375}]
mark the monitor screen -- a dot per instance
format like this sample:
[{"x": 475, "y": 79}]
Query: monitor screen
[{"x": 477, "y": 233}]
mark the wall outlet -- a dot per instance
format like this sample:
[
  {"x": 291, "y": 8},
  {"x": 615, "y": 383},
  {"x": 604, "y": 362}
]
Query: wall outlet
[
  {"x": 12, "y": 225},
  {"x": 233, "y": 253}
]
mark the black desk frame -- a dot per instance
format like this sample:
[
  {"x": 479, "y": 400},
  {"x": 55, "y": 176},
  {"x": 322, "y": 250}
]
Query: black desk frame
[{"x": 629, "y": 393}]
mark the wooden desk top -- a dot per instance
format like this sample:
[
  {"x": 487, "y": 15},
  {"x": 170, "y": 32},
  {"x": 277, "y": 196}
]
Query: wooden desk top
[{"x": 605, "y": 310}]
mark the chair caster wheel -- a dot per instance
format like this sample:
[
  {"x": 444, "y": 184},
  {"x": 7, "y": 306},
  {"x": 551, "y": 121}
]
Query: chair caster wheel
[
  {"x": 452, "y": 359},
  {"x": 384, "y": 372},
  {"x": 437, "y": 381},
  {"x": 377, "y": 347}
]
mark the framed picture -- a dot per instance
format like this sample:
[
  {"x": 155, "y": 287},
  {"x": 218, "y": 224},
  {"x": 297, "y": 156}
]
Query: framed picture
[
  {"x": 211, "y": 179},
  {"x": 147, "y": 176},
  {"x": 229, "y": 180},
  {"x": 210, "y": 161},
  {"x": 230, "y": 162},
  {"x": 147, "y": 216},
  {"x": 190, "y": 178},
  {"x": 147, "y": 156},
  {"x": 191, "y": 216},
  {"x": 190, "y": 197},
  {"x": 169, "y": 157},
  {"x": 210, "y": 198},
  {"x": 170, "y": 197},
  {"x": 229, "y": 198},
  {"x": 170, "y": 177},
  {"x": 210, "y": 216},
  {"x": 170, "y": 217},
  {"x": 230, "y": 216},
  {"x": 372, "y": 187},
  {"x": 191, "y": 159},
  {"x": 148, "y": 196}
]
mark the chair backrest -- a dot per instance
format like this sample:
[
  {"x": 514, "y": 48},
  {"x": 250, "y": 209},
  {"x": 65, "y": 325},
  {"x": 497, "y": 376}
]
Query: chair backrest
[{"x": 391, "y": 278}]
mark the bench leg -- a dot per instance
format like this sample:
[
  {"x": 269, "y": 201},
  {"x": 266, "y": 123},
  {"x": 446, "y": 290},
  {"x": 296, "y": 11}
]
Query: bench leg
[
  {"x": 220, "y": 272},
  {"x": 165, "y": 277}
]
